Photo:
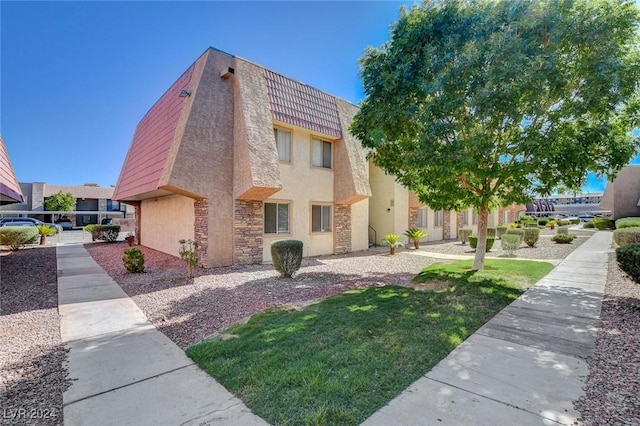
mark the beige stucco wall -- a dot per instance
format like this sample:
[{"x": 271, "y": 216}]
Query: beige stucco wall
[
  {"x": 302, "y": 186},
  {"x": 360, "y": 225},
  {"x": 165, "y": 221},
  {"x": 382, "y": 216}
]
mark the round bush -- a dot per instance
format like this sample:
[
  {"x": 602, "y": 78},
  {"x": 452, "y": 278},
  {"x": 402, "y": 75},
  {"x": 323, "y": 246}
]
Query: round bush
[
  {"x": 491, "y": 232},
  {"x": 588, "y": 225},
  {"x": 626, "y": 236},
  {"x": 563, "y": 230},
  {"x": 628, "y": 222},
  {"x": 628, "y": 258},
  {"x": 133, "y": 260},
  {"x": 500, "y": 230},
  {"x": 517, "y": 231},
  {"x": 602, "y": 224},
  {"x": 108, "y": 233},
  {"x": 531, "y": 236},
  {"x": 286, "y": 256},
  {"x": 510, "y": 242},
  {"x": 473, "y": 242},
  {"x": 543, "y": 221},
  {"x": 464, "y": 233},
  {"x": 563, "y": 238},
  {"x": 574, "y": 221}
]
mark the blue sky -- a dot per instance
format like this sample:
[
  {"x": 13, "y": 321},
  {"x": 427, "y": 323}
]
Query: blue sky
[{"x": 76, "y": 77}]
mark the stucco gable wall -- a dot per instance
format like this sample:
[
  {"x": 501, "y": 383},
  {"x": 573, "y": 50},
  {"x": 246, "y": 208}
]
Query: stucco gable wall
[{"x": 9, "y": 188}]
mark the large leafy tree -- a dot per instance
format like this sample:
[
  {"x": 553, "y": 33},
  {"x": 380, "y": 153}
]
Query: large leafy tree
[
  {"x": 60, "y": 201},
  {"x": 485, "y": 103}
]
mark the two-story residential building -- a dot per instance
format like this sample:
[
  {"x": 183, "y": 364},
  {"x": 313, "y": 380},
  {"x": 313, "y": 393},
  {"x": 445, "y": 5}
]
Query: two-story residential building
[
  {"x": 235, "y": 156},
  {"x": 10, "y": 192}
]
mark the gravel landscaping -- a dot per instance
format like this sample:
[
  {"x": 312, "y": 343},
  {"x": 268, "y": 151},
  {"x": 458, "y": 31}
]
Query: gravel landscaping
[
  {"x": 613, "y": 385},
  {"x": 32, "y": 373}
]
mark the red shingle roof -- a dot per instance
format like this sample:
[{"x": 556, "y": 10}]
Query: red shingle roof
[
  {"x": 301, "y": 105},
  {"x": 9, "y": 187},
  {"x": 152, "y": 142}
]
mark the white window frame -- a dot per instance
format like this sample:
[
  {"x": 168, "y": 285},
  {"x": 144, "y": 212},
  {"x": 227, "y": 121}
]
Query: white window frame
[
  {"x": 277, "y": 227},
  {"x": 323, "y": 216},
  {"x": 437, "y": 218},
  {"x": 322, "y": 161},
  {"x": 423, "y": 217},
  {"x": 284, "y": 155}
]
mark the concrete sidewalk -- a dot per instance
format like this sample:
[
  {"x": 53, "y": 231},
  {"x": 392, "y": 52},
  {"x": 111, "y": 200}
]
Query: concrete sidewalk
[
  {"x": 525, "y": 366},
  {"x": 125, "y": 371}
]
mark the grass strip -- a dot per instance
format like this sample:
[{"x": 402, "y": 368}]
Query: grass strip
[{"x": 340, "y": 360}]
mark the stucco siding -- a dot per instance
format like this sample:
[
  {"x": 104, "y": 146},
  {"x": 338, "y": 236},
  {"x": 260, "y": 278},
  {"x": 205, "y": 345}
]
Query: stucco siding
[
  {"x": 165, "y": 221},
  {"x": 360, "y": 225}
]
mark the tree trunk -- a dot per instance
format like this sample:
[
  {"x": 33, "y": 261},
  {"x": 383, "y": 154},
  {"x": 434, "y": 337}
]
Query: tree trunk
[
  {"x": 481, "y": 248},
  {"x": 392, "y": 250},
  {"x": 43, "y": 240},
  {"x": 416, "y": 243}
]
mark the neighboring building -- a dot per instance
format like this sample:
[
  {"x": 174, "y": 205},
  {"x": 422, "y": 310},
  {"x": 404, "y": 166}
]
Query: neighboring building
[
  {"x": 562, "y": 199},
  {"x": 9, "y": 189},
  {"x": 92, "y": 204},
  {"x": 235, "y": 156},
  {"x": 394, "y": 209},
  {"x": 622, "y": 196}
]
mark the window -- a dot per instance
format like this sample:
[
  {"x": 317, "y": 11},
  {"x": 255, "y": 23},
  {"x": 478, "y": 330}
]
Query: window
[
  {"x": 113, "y": 206},
  {"x": 475, "y": 217},
  {"x": 321, "y": 153},
  {"x": 422, "y": 217},
  {"x": 283, "y": 143},
  {"x": 320, "y": 218},
  {"x": 276, "y": 218},
  {"x": 437, "y": 219},
  {"x": 465, "y": 218}
]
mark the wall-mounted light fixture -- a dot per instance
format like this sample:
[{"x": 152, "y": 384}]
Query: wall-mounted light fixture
[
  {"x": 227, "y": 73},
  {"x": 184, "y": 93}
]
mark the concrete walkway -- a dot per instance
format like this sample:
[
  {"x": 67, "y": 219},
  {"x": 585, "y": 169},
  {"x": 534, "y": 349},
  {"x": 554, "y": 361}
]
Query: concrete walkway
[
  {"x": 125, "y": 371},
  {"x": 525, "y": 366}
]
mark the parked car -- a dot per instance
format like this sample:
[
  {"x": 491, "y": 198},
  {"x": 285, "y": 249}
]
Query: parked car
[
  {"x": 30, "y": 219},
  {"x": 586, "y": 217},
  {"x": 16, "y": 224},
  {"x": 106, "y": 221},
  {"x": 65, "y": 223}
]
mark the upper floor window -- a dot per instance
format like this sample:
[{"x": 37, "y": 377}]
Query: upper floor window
[
  {"x": 437, "y": 219},
  {"x": 320, "y": 218},
  {"x": 283, "y": 143},
  {"x": 422, "y": 217},
  {"x": 276, "y": 218},
  {"x": 321, "y": 153}
]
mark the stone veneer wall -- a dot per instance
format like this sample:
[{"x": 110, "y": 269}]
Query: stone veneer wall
[
  {"x": 247, "y": 232},
  {"x": 446, "y": 225},
  {"x": 413, "y": 217},
  {"x": 201, "y": 230},
  {"x": 342, "y": 228}
]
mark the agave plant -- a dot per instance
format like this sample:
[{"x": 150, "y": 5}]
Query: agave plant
[
  {"x": 393, "y": 241},
  {"x": 415, "y": 234}
]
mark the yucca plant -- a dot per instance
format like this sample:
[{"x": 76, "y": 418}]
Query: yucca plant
[
  {"x": 45, "y": 231},
  {"x": 393, "y": 241},
  {"x": 415, "y": 234}
]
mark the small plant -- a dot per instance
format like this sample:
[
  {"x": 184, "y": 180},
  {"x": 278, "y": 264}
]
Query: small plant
[
  {"x": 415, "y": 234},
  {"x": 45, "y": 231},
  {"x": 501, "y": 230},
  {"x": 510, "y": 243},
  {"x": 107, "y": 233},
  {"x": 17, "y": 237},
  {"x": 626, "y": 236},
  {"x": 543, "y": 221},
  {"x": 628, "y": 258},
  {"x": 393, "y": 241},
  {"x": 588, "y": 225},
  {"x": 552, "y": 224},
  {"x": 286, "y": 256},
  {"x": 130, "y": 238},
  {"x": 517, "y": 231},
  {"x": 531, "y": 236},
  {"x": 189, "y": 253},
  {"x": 563, "y": 222},
  {"x": 473, "y": 242},
  {"x": 628, "y": 222},
  {"x": 602, "y": 224},
  {"x": 563, "y": 230},
  {"x": 89, "y": 229},
  {"x": 563, "y": 238},
  {"x": 574, "y": 221},
  {"x": 133, "y": 260},
  {"x": 464, "y": 234},
  {"x": 491, "y": 232}
]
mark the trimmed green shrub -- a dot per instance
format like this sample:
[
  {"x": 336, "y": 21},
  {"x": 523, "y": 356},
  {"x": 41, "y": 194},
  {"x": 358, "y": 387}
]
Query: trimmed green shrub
[
  {"x": 543, "y": 221},
  {"x": 491, "y": 232},
  {"x": 628, "y": 222},
  {"x": 17, "y": 236},
  {"x": 628, "y": 258},
  {"x": 516, "y": 231},
  {"x": 564, "y": 230},
  {"x": 588, "y": 225},
  {"x": 107, "y": 233},
  {"x": 626, "y": 236},
  {"x": 563, "y": 238},
  {"x": 133, "y": 260},
  {"x": 531, "y": 236},
  {"x": 601, "y": 223},
  {"x": 500, "y": 230},
  {"x": 574, "y": 221},
  {"x": 286, "y": 256},
  {"x": 464, "y": 234},
  {"x": 510, "y": 243},
  {"x": 563, "y": 222},
  {"x": 473, "y": 242}
]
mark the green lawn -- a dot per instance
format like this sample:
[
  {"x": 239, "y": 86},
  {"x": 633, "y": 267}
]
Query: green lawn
[{"x": 338, "y": 361}]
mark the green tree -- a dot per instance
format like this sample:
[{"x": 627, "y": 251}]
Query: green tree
[
  {"x": 62, "y": 201},
  {"x": 485, "y": 103}
]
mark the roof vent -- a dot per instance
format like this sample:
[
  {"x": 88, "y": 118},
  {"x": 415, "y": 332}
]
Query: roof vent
[{"x": 226, "y": 73}]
